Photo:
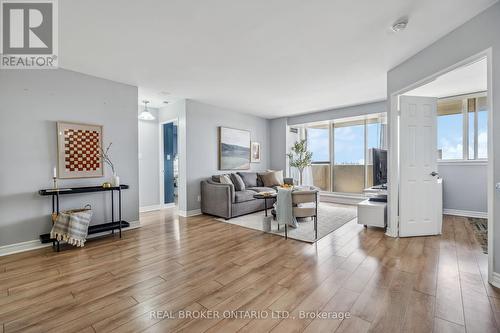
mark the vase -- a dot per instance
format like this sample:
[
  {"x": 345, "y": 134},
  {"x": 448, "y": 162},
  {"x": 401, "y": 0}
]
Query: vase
[{"x": 116, "y": 180}]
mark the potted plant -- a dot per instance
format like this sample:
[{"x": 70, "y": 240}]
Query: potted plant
[{"x": 300, "y": 158}]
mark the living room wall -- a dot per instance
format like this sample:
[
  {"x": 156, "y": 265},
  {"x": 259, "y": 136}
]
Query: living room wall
[
  {"x": 31, "y": 101},
  {"x": 202, "y": 122},
  {"x": 149, "y": 170}
]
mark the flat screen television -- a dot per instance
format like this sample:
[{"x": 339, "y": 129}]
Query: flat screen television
[{"x": 379, "y": 167}]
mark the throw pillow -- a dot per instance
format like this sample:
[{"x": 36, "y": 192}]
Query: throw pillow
[
  {"x": 279, "y": 175},
  {"x": 224, "y": 179},
  {"x": 239, "y": 185},
  {"x": 249, "y": 178},
  {"x": 273, "y": 178}
]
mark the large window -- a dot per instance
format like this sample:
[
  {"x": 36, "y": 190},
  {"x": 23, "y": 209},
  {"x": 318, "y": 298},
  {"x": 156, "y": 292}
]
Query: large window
[
  {"x": 462, "y": 128},
  {"x": 318, "y": 142},
  {"x": 342, "y": 152},
  {"x": 349, "y": 156}
]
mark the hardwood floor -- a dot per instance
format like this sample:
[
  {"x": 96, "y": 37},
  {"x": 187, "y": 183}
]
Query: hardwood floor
[{"x": 420, "y": 284}]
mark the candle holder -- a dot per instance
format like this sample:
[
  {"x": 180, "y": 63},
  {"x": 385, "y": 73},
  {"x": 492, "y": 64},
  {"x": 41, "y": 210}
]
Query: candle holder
[{"x": 54, "y": 180}]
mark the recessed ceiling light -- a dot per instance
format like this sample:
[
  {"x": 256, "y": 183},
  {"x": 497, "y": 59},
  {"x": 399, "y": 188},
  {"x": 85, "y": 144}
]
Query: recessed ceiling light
[
  {"x": 400, "y": 24},
  {"x": 164, "y": 92},
  {"x": 165, "y": 102}
]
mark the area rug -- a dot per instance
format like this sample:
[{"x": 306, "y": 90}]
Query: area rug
[
  {"x": 330, "y": 217},
  {"x": 480, "y": 227}
]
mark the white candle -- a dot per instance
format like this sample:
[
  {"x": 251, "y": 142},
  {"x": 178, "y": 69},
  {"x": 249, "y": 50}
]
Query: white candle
[{"x": 55, "y": 172}]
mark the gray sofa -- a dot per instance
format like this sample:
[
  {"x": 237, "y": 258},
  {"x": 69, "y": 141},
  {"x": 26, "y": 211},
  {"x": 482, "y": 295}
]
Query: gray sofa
[{"x": 223, "y": 200}]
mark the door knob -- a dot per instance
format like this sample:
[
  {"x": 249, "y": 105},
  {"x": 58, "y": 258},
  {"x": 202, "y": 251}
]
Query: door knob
[{"x": 434, "y": 174}]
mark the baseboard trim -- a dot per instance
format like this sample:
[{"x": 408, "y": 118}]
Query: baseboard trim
[
  {"x": 495, "y": 280},
  {"x": 465, "y": 213},
  {"x": 151, "y": 208},
  {"x": 189, "y": 213},
  {"x": 35, "y": 244},
  {"x": 340, "y": 199}
]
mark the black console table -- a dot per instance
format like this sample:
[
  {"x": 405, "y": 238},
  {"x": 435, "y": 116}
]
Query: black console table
[{"x": 93, "y": 229}]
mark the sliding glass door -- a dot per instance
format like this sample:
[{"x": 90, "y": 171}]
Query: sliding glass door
[
  {"x": 318, "y": 142},
  {"x": 341, "y": 149},
  {"x": 349, "y": 156}
]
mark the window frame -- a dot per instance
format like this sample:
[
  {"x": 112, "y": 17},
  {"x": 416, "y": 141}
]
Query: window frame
[{"x": 465, "y": 129}]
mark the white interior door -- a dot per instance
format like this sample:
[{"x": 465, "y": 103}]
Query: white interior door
[{"x": 420, "y": 204}]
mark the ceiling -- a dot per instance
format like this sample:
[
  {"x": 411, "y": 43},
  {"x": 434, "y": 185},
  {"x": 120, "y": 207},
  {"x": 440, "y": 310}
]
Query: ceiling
[
  {"x": 464, "y": 80},
  {"x": 270, "y": 58}
]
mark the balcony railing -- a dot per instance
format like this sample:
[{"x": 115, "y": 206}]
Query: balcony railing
[{"x": 348, "y": 178}]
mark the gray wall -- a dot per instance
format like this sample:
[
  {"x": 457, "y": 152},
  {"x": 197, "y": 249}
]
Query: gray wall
[
  {"x": 473, "y": 37},
  {"x": 202, "y": 122},
  {"x": 277, "y": 141},
  {"x": 31, "y": 101},
  {"x": 149, "y": 153},
  {"x": 349, "y": 111},
  {"x": 464, "y": 186}
]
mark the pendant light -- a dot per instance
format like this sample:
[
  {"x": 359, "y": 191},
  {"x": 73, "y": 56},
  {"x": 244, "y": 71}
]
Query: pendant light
[{"x": 146, "y": 114}]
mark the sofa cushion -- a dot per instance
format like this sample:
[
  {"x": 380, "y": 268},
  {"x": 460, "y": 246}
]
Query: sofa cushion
[
  {"x": 249, "y": 178},
  {"x": 239, "y": 185},
  {"x": 261, "y": 189},
  {"x": 242, "y": 196}
]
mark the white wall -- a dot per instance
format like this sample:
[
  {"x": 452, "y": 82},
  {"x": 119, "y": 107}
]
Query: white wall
[
  {"x": 31, "y": 101},
  {"x": 202, "y": 122},
  {"x": 475, "y": 36},
  {"x": 149, "y": 160},
  {"x": 345, "y": 112}
]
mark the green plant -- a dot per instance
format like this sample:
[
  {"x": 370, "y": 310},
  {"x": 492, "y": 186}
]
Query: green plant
[{"x": 299, "y": 157}]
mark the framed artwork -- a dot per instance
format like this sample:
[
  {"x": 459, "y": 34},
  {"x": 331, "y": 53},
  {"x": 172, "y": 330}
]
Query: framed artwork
[
  {"x": 234, "y": 149},
  {"x": 255, "y": 152},
  {"x": 79, "y": 150}
]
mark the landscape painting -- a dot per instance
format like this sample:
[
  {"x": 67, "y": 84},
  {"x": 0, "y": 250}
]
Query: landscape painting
[{"x": 234, "y": 149}]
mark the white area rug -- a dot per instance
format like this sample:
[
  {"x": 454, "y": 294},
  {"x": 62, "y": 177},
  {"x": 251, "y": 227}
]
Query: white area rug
[{"x": 330, "y": 217}]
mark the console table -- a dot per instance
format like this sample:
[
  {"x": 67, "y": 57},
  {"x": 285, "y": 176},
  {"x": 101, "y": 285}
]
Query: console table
[{"x": 93, "y": 229}]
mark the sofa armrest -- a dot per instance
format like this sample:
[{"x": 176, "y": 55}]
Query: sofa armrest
[
  {"x": 289, "y": 181},
  {"x": 216, "y": 198}
]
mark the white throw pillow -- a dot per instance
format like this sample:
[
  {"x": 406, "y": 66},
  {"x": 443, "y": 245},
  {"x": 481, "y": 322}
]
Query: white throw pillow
[{"x": 225, "y": 179}]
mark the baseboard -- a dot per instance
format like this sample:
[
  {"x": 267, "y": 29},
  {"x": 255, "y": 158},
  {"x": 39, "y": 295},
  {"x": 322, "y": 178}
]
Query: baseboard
[
  {"x": 465, "y": 213},
  {"x": 22, "y": 247},
  {"x": 340, "y": 199},
  {"x": 151, "y": 208},
  {"x": 35, "y": 244},
  {"x": 189, "y": 213},
  {"x": 495, "y": 280}
]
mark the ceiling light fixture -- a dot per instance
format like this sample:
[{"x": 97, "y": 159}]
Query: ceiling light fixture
[
  {"x": 146, "y": 114},
  {"x": 400, "y": 24}
]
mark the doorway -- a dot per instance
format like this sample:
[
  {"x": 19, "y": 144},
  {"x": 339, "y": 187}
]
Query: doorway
[
  {"x": 169, "y": 164},
  {"x": 466, "y": 84}
]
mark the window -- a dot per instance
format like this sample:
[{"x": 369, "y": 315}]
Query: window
[
  {"x": 349, "y": 156},
  {"x": 450, "y": 130},
  {"x": 374, "y": 139},
  {"x": 318, "y": 142},
  {"x": 342, "y": 152},
  {"x": 462, "y": 128}
]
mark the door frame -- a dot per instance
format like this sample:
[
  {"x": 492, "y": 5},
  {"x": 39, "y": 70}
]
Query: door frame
[
  {"x": 393, "y": 148},
  {"x": 162, "y": 164}
]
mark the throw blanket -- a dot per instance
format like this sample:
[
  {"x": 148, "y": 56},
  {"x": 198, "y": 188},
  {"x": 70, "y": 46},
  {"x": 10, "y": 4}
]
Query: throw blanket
[
  {"x": 284, "y": 211},
  {"x": 72, "y": 226}
]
